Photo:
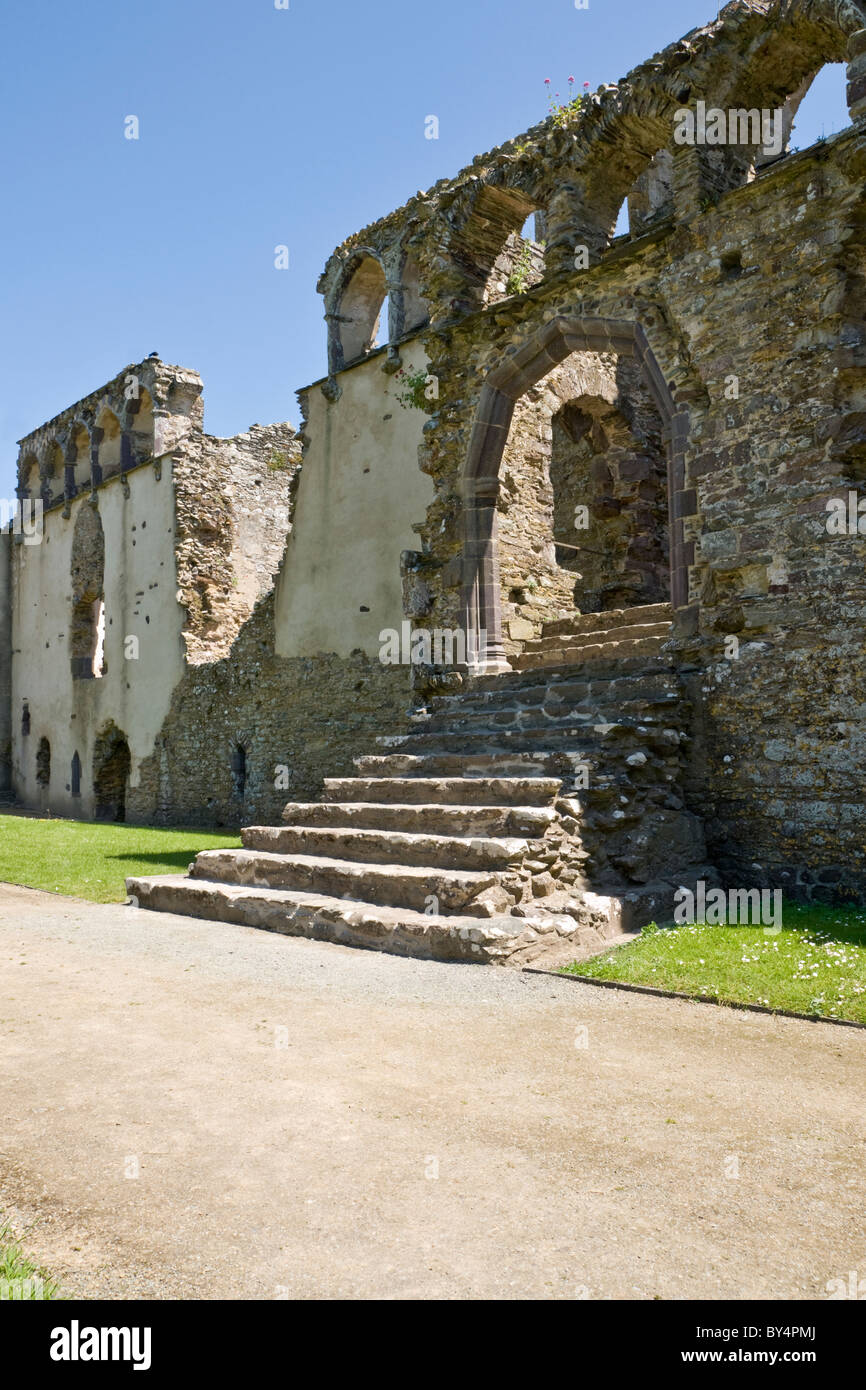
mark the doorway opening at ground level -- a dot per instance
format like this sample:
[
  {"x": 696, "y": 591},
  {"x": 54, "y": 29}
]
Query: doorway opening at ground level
[{"x": 111, "y": 760}]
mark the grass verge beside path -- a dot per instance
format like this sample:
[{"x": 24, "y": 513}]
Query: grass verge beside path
[
  {"x": 20, "y": 1278},
  {"x": 815, "y": 965},
  {"x": 88, "y": 859}
]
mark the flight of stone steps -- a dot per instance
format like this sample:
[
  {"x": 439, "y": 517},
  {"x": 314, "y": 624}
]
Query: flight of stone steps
[
  {"x": 617, "y": 635},
  {"x": 532, "y": 816}
]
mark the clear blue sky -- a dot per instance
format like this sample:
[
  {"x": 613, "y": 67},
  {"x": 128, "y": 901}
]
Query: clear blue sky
[{"x": 258, "y": 127}]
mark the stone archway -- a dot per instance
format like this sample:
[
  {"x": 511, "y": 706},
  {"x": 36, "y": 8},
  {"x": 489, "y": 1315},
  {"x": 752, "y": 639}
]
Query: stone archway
[
  {"x": 111, "y": 763},
  {"x": 505, "y": 384}
]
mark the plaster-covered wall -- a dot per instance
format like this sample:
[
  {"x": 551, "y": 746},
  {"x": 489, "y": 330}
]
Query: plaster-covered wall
[
  {"x": 140, "y": 601},
  {"x": 5, "y": 660},
  {"x": 360, "y": 493}
]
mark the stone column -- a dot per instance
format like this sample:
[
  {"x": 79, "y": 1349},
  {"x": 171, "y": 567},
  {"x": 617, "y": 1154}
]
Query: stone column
[
  {"x": 482, "y": 605},
  {"x": 571, "y": 221},
  {"x": 96, "y": 437}
]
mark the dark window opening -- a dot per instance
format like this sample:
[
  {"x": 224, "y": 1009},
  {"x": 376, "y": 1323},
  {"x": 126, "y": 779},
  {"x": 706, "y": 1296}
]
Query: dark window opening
[
  {"x": 239, "y": 769},
  {"x": 87, "y": 629},
  {"x": 43, "y": 763},
  {"x": 76, "y": 775}
]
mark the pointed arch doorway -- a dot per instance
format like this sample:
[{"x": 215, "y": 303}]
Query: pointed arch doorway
[{"x": 505, "y": 384}]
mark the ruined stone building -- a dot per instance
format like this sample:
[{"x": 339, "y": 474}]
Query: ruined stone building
[{"x": 615, "y": 465}]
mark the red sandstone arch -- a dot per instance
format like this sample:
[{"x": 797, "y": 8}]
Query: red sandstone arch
[{"x": 508, "y": 381}]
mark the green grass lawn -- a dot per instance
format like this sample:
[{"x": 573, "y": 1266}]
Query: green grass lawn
[
  {"x": 91, "y": 859},
  {"x": 20, "y": 1278},
  {"x": 815, "y": 965}
]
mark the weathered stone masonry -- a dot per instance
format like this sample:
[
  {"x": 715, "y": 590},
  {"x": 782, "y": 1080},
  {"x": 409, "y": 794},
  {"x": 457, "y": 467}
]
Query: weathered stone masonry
[
  {"x": 758, "y": 277},
  {"x": 698, "y": 386}
]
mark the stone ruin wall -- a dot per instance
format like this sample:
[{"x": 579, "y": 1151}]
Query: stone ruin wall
[
  {"x": 775, "y": 772},
  {"x": 302, "y": 701},
  {"x": 233, "y": 499},
  {"x": 726, "y": 274},
  {"x": 299, "y": 720}
]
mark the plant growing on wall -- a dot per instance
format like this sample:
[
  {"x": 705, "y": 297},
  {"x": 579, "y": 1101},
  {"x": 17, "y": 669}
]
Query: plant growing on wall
[
  {"x": 412, "y": 394},
  {"x": 561, "y": 113},
  {"x": 519, "y": 277}
]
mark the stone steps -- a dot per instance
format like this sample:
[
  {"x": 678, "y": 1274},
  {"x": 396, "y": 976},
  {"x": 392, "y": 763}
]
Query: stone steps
[
  {"x": 422, "y": 818},
  {"x": 551, "y": 692},
  {"x": 616, "y": 668},
  {"x": 567, "y": 734},
  {"x": 556, "y": 723},
  {"x": 476, "y": 852},
  {"x": 592, "y": 747},
  {"x": 495, "y": 764},
  {"x": 611, "y": 619},
  {"x": 476, "y": 791},
  {"x": 530, "y": 816},
  {"x": 597, "y": 637},
  {"x": 605, "y": 641},
  {"x": 395, "y": 885},
  {"x": 557, "y": 719},
  {"x": 567, "y": 652},
  {"x": 400, "y": 931}
]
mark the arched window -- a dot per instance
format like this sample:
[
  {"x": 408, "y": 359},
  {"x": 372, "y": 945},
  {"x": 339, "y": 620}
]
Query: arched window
[
  {"x": 28, "y": 475},
  {"x": 503, "y": 232},
  {"x": 52, "y": 473},
  {"x": 80, "y": 458},
  {"x": 87, "y": 631},
  {"x": 75, "y": 778},
  {"x": 359, "y": 307},
  {"x": 110, "y": 443},
  {"x": 383, "y": 332},
  {"x": 141, "y": 426},
  {"x": 819, "y": 108}
]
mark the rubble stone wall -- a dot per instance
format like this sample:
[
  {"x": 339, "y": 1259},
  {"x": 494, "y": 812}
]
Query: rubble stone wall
[{"x": 298, "y": 720}]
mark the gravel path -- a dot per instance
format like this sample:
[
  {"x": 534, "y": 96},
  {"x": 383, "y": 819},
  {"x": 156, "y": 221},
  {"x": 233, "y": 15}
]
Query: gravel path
[{"x": 312, "y": 1121}]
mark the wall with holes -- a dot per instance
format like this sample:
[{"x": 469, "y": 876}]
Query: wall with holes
[
  {"x": 137, "y": 645},
  {"x": 155, "y": 544}
]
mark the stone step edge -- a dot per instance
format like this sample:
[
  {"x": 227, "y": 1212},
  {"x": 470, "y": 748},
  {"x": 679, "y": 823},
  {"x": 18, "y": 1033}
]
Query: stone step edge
[
  {"x": 330, "y": 864},
  {"x": 618, "y": 617},
  {"x": 617, "y": 668},
  {"x": 343, "y": 921},
  {"x": 599, "y": 636},
  {"x": 511, "y": 846},
  {"x": 412, "y": 807}
]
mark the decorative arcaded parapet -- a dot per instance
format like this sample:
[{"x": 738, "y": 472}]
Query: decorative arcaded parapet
[
  {"x": 577, "y": 167},
  {"x": 141, "y": 414}
]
